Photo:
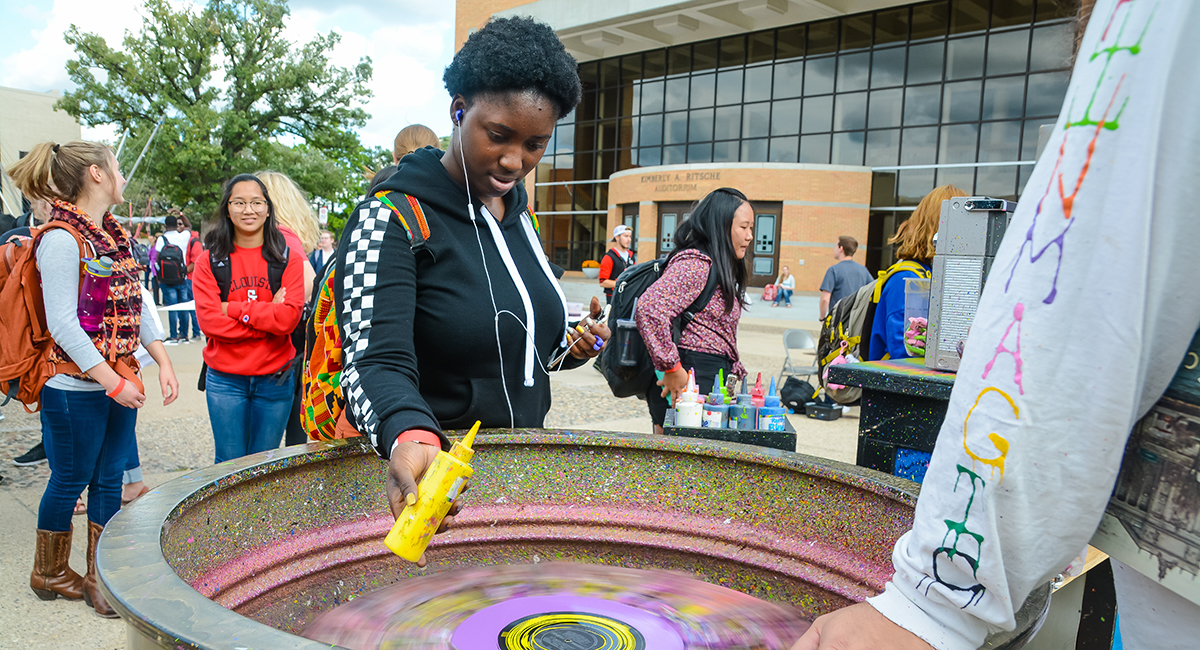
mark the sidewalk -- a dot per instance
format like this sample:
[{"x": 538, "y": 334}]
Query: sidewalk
[{"x": 177, "y": 438}]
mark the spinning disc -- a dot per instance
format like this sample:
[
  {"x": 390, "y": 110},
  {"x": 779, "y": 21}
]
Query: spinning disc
[{"x": 558, "y": 606}]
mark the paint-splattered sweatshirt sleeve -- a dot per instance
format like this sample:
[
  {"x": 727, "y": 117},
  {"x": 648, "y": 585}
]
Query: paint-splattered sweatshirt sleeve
[{"x": 1088, "y": 311}]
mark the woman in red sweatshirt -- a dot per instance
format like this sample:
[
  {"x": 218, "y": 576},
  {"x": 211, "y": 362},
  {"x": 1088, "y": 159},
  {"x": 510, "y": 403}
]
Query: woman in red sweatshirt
[{"x": 249, "y": 295}]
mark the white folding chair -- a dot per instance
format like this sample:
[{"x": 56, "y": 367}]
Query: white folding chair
[{"x": 799, "y": 341}]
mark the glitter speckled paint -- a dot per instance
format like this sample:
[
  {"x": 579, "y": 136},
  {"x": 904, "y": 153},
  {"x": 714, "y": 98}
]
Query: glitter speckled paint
[{"x": 258, "y": 546}]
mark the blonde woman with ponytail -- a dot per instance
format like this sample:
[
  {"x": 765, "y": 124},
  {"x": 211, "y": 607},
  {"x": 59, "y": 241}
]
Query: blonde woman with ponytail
[
  {"x": 296, "y": 219},
  {"x": 88, "y": 410}
]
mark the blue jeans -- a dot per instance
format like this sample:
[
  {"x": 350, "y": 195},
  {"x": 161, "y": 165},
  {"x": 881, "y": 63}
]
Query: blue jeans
[
  {"x": 173, "y": 295},
  {"x": 248, "y": 412},
  {"x": 87, "y": 437},
  {"x": 192, "y": 314},
  {"x": 783, "y": 295}
]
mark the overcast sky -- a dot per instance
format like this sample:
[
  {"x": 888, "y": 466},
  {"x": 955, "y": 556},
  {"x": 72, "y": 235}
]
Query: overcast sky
[{"x": 410, "y": 42}]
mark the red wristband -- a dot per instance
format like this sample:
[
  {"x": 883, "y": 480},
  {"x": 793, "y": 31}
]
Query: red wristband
[
  {"x": 422, "y": 436},
  {"x": 678, "y": 366},
  {"x": 117, "y": 391}
]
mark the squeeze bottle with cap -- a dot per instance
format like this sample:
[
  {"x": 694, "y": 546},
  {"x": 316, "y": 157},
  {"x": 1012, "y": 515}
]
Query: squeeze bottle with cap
[
  {"x": 687, "y": 410},
  {"x": 93, "y": 293},
  {"x": 743, "y": 414},
  {"x": 716, "y": 414},
  {"x": 443, "y": 481},
  {"x": 772, "y": 416},
  {"x": 756, "y": 395}
]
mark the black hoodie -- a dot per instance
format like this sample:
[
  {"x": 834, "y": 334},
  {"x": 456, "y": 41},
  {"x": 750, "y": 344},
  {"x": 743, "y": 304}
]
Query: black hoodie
[{"x": 418, "y": 336}]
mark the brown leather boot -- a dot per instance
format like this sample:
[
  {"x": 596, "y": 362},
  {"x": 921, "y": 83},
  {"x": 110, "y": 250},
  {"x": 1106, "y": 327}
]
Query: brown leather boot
[
  {"x": 52, "y": 575},
  {"x": 91, "y": 587}
]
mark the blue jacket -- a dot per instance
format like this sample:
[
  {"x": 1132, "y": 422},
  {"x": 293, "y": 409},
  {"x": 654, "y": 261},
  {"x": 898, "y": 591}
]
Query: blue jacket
[{"x": 887, "y": 330}]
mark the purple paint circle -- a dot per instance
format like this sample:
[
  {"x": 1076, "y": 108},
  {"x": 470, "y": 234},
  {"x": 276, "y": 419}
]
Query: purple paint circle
[{"x": 482, "y": 630}]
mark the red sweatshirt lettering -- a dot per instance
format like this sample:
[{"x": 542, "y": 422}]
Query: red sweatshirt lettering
[{"x": 254, "y": 336}]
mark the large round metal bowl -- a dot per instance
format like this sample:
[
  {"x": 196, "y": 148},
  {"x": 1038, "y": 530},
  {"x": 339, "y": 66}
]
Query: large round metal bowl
[{"x": 246, "y": 553}]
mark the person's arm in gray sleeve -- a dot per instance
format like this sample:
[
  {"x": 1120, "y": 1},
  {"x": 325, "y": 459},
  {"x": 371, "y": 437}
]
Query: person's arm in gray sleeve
[
  {"x": 150, "y": 329},
  {"x": 58, "y": 261}
]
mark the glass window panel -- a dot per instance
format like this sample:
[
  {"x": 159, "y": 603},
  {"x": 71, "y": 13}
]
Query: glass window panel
[
  {"x": 679, "y": 59},
  {"x": 728, "y": 123},
  {"x": 925, "y": 62},
  {"x": 650, "y": 156},
  {"x": 785, "y": 150},
  {"x": 761, "y": 47},
  {"x": 609, "y": 100},
  {"x": 676, "y": 155},
  {"x": 1029, "y": 138},
  {"x": 818, "y": 76},
  {"x": 964, "y": 58},
  {"x": 704, "y": 56},
  {"x": 848, "y": 148},
  {"x": 630, "y": 127},
  {"x": 589, "y": 73},
  {"x": 789, "y": 78},
  {"x": 607, "y": 132},
  {"x": 1023, "y": 174},
  {"x": 635, "y": 98},
  {"x": 922, "y": 104},
  {"x": 610, "y": 72},
  {"x": 650, "y": 131},
  {"x": 997, "y": 182},
  {"x": 726, "y": 151},
  {"x": 675, "y": 128},
  {"x": 789, "y": 43},
  {"x": 785, "y": 117},
  {"x": 891, "y": 26},
  {"x": 887, "y": 68},
  {"x": 652, "y": 97},
  {"x": 853, "y": 70},
  {"x": 958, "y": 144},
  {"x": 886, "y": 107},
  {"x": 1007, "y": 52},
  {"x": 818, "y": 114},
  {"x": 586, "y": 110},
  {"x": 1051, "y": 47},
  {"x": 631, "y": 68},
  {"x": 655, "y": 64},
  {"x": 1009, "y": 13},
  {"x": 756, "y": 120},
  {"x": 754, "y": 150},
  {"x": 564, "y": 140},
  {"x": 758, "y": 83},
  {"x": 883, "y": 147},
  {"x": 585, "y": 137},
  {"x": 913, "y": 184},
  {"x": 961, "y": 177},
  {"x": 1051, "y": 9},
  {"x": 814, "y": 149},
  {"x": 729, "y": 87},
  {"x": 856, "y": 32},
  {"x": 1003, "y": 97},
  {"x": 822, "y": 37},
  {"x": 703, "y": 90},
  {"x": 699, "y": 153},
  {"x": 969, "y": 16},
  {"x": 700, "y": 126},
  {"x": 1046, "y": 93},
  {"x": 733, "y": 51},
  {"x": 919, "y": 146},
  {"x": 961, "y": 101},
  {"x": 850, "y": 112},
  {"x": 999, "y": 141},
  {"x": 929, "y": 20},
  {"x": 677, "y": 94}
]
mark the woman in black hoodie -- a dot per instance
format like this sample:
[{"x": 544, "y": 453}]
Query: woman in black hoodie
[{"x": 439, "y": 333}]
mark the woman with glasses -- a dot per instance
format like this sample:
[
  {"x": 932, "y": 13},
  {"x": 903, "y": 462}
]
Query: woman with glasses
[{"x": 249, "y": 293}]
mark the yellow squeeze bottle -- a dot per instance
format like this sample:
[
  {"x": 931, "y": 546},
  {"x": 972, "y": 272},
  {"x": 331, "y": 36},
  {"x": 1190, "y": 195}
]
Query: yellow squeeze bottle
[{"x": 439, "y": 487}]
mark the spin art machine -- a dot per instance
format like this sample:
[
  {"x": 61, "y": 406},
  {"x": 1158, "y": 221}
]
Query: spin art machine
[{"x": 247, "y": 553}]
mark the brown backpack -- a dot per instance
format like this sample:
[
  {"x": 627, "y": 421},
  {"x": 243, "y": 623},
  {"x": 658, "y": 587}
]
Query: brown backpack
[{"x": 24, "y": 363}]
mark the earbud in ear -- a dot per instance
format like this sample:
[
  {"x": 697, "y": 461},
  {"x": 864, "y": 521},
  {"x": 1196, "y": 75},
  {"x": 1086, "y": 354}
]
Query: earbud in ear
[{"x": 458, "y": 117}]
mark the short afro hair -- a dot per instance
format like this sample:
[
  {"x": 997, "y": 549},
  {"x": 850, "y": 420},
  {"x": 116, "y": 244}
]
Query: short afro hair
[{"x": 515, "y": 54}]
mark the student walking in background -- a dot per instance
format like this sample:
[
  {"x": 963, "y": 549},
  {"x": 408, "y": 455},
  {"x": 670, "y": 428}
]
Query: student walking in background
[
  {"x": 616, "y": 260},
  {"x": 194, "y": 250},
  {"x": 845, "y": 277},
  {"x": 249, "y": 296},
  {"x": 89, "y": 406},
  {"x": 171, "y": 258},
  {"x": 326, "y": 246}
]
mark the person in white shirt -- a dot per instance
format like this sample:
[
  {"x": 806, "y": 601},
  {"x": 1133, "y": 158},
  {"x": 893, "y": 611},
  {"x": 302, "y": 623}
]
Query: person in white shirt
[
  {"x": 174, "y": 290},
  {"x": 1085, "y": 322}
]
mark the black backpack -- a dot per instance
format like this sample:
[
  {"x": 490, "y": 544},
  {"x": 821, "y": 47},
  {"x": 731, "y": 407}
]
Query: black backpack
[
  {"x": 172, "y": 269},
  {"x": 625, "y": 362}
]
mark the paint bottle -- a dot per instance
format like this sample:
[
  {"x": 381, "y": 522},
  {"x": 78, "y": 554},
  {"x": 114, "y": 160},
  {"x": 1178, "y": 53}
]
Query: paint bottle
[
  {"x": 716, "y": 414},
  {"x": 743, "y": 414},
  {"x": 772, "y": 416},
  {"x": 756, "y": 395},
  {"x": 440, "y": 485},
  {"x": 687, "y": 411}
]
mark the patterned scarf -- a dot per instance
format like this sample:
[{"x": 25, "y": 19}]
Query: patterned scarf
[{"x": 123, "y": 312}]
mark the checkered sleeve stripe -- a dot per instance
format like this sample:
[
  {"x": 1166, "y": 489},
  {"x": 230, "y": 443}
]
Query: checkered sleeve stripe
[{"x": 358, "y": 300}]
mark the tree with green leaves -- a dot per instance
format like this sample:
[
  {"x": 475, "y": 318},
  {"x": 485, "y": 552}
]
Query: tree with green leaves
[{"x": 233, "y": 90}]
